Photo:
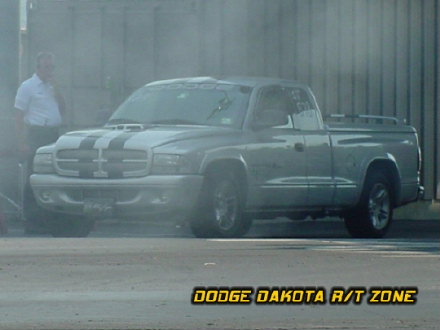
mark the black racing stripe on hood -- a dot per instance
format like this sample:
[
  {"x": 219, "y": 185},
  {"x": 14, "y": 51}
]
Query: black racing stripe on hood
[
  {"x": 118, "y": 144},
  {"x": 90, "y": 139},
  {"x": 88, "y": 144}
]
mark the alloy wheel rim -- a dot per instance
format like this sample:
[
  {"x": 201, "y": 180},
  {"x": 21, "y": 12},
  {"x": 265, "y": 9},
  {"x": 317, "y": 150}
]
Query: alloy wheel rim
[
  {"x": 225, "y": 206},
  {"x": 379, "y": 206}
]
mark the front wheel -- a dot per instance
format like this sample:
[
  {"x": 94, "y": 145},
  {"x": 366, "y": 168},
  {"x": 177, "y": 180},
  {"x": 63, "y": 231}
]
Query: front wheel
[
  {"x": 373, "y": 216},
  {"x": 220, "y": 209},
  {"x": 70, "y": 226}
]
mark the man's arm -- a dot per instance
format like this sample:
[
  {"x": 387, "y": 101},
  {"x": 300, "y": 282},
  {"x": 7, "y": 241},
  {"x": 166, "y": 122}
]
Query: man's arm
[
  {"x": 59, "y": 98},
  {"x": 20, "y": 128}
]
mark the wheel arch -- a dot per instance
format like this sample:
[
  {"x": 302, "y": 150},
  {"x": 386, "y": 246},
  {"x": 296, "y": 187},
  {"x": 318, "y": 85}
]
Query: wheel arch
[
  {"x": 388, "y": 167},
  {"x": 202, "y": 223},
  {"x": 229, "y": 165}
]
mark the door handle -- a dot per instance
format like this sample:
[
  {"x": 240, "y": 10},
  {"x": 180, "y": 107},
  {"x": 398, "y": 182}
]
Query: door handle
[{"x": 299, "y": 147}]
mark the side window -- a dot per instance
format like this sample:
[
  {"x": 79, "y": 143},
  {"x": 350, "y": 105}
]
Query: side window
[
  {"x": 304, "y": 114},
  {"x": 274, "y": 99}
]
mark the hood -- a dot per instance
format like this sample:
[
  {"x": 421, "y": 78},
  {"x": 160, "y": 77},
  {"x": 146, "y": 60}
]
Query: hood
[{"x": 151, "y": 137}]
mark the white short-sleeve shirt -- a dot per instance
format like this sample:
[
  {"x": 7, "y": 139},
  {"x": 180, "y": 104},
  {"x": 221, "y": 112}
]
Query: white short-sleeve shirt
[{"x": 37, "y": 100}]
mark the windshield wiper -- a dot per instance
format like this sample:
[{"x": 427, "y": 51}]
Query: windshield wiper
[
  {"x": 223, "y": 104},
  {"x": 123, "y": 121}
]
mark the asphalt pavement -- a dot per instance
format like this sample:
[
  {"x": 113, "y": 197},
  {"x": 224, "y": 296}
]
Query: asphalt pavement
[
  {"x": 142, "y": 275},
  {"x": 276, "y": 228}
]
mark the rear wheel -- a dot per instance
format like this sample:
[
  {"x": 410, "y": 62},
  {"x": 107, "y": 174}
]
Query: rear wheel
[
  {"x": 373, "y": 216},
  {"x": 70, "y": 226},
  {"x": 220, "y": 209}
]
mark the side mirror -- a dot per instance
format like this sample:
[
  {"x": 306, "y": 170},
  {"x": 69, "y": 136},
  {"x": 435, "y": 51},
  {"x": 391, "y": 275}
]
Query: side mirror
[{"x": 270, "y": 118}]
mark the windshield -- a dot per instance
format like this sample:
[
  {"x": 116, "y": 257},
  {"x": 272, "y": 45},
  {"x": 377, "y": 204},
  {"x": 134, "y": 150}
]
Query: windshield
[{"x": 186, "y": 104}]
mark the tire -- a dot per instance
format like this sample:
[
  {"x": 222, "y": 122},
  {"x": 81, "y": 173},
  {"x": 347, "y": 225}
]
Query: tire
[
  {"x": 35, "y": 216},
  {"x": 61, "y": 225},
  {"x": 374, "y": 213},
  {"x": 220, "y": 209}
]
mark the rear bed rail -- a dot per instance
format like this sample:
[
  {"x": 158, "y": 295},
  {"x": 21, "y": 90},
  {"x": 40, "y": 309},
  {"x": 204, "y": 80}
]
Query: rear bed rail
[{"x": 379, "y": 119}]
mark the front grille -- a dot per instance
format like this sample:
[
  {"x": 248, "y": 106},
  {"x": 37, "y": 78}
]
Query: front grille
[{"x": 101, "y": 163}]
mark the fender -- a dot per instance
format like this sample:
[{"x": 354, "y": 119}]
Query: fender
[
  {"x": 225, "y": 155},
  {"x": 389, "y": 160}
]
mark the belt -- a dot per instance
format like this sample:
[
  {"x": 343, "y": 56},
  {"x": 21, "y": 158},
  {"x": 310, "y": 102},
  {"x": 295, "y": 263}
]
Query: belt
[{"x": 39, "y": 127}]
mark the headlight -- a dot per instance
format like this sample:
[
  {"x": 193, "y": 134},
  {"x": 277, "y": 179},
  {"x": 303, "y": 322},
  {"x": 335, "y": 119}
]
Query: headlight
[
  {"x": 171, "y": 164},
  {"x": 43, "y": 163}
]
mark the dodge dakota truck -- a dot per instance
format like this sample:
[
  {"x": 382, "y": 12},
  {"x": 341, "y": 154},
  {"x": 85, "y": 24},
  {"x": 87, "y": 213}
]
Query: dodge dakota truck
[{"x": 222, "y": 152}]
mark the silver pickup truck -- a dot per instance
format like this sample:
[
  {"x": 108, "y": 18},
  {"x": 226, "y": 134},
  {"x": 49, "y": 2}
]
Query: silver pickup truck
[{"x": 221, "y": 152}]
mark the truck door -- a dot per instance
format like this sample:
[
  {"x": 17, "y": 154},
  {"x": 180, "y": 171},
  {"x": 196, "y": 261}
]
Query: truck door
[
  {"x": 275, "y": 157},
  {"x": 318, "y": 154}
]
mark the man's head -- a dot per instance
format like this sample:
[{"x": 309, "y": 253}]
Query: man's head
[{"x": 45, "y": 66}]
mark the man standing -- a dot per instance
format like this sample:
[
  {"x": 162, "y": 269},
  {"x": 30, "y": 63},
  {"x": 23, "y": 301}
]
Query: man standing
[{"x": 39, "y": 107}]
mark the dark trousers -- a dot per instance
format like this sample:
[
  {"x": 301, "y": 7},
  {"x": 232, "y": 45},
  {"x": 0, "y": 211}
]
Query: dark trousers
[{"x": 37, "y": 136}]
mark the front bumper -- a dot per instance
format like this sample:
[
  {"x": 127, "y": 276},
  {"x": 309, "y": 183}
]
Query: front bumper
[{"x": 153, "y": 194}]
